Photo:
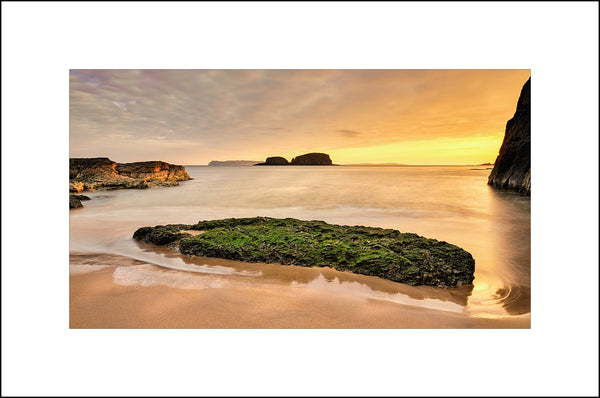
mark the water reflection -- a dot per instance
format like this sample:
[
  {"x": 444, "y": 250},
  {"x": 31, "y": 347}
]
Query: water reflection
[
  {"x": 516, "y": 300},
  {"x": 294, "y": 275},
  {"x": 452, "y": 204},
  {"x": 514, "y": 245}
]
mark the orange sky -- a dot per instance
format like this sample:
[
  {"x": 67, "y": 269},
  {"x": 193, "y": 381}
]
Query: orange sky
[{"x": 356, "y": 116}]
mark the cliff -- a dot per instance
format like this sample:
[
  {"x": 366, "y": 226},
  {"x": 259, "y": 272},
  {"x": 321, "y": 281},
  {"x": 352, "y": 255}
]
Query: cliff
[
  {"x": 386, "y": 253},
  {"x": 89, "y": 174},
  {"x": 312, "y": 159},
  {"x": 512, "y": 169}
]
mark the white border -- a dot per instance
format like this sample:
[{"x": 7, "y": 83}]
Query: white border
[{"x": 558, "y": 41}]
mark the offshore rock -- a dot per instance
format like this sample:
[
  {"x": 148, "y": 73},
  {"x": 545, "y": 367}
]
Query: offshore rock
[
  {"x": 308, "y": 159},
  {"x": 89, "y": 174},
  {"x": 312, "y": 159},
  {"x": 75, "y": 201},
  {"x": 512, "y": 169},
  {"x": 274, "y": 161},
  {"x": 385, "y": 253}
]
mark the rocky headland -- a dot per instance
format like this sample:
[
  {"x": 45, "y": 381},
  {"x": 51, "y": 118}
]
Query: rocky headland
[
  {"x": 308, "y": 159},
  {"x": 512, "y": 169},
  {"x": 91, "y": 174},
  {"x": 386, "y": 253}
]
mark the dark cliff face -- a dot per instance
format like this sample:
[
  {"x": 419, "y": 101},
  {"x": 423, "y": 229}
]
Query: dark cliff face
[
  {"x": 512, "y": 169},
  {"x": 103, "y": 173},
  {"x": 312, "y": 159}
]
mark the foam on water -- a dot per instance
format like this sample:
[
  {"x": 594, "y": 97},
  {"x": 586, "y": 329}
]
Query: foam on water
[
  {"x": 149, "y": 275},
  {"x": 450, "y": 203},
  {"x": 85, "y": 268}
]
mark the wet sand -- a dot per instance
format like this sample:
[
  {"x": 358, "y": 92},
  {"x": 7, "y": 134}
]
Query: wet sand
[{"x": 97, "y": 301}]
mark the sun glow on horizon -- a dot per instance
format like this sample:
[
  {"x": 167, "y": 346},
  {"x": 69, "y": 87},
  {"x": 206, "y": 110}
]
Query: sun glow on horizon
[
  {"x": 449, "y": 151},
  {"x": 355, "y": 116}
]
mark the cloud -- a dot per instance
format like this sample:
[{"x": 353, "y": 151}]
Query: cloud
[
  {"x": 253, "y": 113},
  {"x": 350, "y": 133}
]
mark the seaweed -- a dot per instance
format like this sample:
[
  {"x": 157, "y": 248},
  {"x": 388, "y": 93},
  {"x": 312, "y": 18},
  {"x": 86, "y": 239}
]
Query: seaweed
[{"x": 385, "y": 253}]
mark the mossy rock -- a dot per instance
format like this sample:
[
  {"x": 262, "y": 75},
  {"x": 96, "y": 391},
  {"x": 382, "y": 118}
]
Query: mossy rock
[{"x": 386, "y": 253}]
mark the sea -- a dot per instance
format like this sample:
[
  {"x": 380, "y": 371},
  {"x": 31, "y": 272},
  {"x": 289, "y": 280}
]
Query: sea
[{"x": 447, "y": 203}]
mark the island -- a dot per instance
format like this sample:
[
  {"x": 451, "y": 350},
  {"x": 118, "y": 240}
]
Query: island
[
  {"x": 91, "y": 174},
  {"x": 386, "y": 253},
  {"x": 308, "y": 159},
  {"x": 274, "y": 161},
  {"x": 312, "y": 159},
  {"x": 512, "y": 169}
]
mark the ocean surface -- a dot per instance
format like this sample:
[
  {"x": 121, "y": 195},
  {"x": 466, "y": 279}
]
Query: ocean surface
[{"x": 449, "y": 203}]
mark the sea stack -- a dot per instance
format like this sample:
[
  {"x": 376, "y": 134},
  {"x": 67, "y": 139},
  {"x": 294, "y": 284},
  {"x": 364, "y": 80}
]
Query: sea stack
[
  {"x": 512, "y": 169},
  {"x": 312, "y": 159},
  {"x": 274, "y": 161},
  {"x": 308, "y": 159}
]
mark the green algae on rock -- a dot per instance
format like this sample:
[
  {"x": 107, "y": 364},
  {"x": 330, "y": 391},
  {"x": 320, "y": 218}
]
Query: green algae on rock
[{"x": 386, "y": 253}]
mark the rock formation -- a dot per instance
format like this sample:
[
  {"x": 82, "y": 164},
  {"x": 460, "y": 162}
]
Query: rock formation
[
  {"x": 386, "y": 253},
  {"x": 512, "y": 169},
  {"x": 89, "y": 174},
  {"x": 274, "y": 161},
  {"x": 312, "y": 159},
  {"x": 75, "y": 201},
  {"x": 308, "y": 159}
]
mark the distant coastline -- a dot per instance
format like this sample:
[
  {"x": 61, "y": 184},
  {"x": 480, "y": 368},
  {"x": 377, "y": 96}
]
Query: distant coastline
[
  {"x": 364, "y": 164},
  {"x": 408, "y": 165},
  {"x": 374, "y": 164},
  {"x": 229, "y": 163}
]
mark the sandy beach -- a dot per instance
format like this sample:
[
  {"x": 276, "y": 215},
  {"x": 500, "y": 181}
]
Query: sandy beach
[{"x": 105, "y": 298}]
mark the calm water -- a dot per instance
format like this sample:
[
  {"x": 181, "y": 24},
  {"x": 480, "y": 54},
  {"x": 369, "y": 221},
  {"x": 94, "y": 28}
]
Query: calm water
[{"x": 450, "y": 203}]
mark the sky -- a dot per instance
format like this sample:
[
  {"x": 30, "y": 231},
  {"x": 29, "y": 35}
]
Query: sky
[{"x": 191, "y": 117}]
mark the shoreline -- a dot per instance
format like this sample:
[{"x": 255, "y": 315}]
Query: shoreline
[{"x": 96, "y": 300}]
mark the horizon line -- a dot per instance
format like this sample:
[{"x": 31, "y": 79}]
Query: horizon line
[{"x": 365, "y": 164}]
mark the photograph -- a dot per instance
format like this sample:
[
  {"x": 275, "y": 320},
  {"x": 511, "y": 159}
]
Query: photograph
[
  {"x": 295, "y": 198},
  {"x": 300, "y": 199}
]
